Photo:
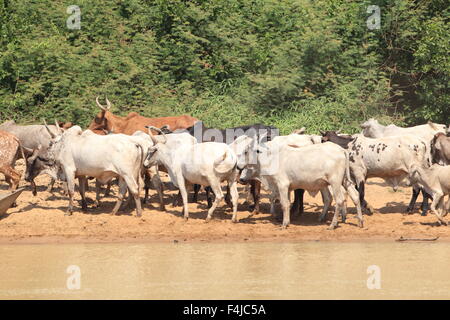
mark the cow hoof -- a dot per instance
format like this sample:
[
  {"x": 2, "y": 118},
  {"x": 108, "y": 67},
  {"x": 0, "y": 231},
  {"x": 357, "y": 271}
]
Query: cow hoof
[
  {"x": 234, "y": 220},
  {"x": 360, "y": 224},
  {"x": 332, "y": 227},
  {"x": 423, "y": 214},
  {"x": 186, "y": 219}
]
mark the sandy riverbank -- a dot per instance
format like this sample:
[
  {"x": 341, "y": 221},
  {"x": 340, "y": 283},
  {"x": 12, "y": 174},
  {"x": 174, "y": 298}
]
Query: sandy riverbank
[{"x": 41, "y": 219}]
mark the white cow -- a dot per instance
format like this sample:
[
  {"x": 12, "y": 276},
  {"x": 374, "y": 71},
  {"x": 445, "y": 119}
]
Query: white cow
[
  {"x": 373, "y": 129},
  {"x": 312, "y": 167},
  {"x": 436, "y": 181},
  {"x": 173, "y": 141},
  {"x": 78, "y": 154},
  {"x": 206, "y": 164},
  {"x": 389, "y": 158}
]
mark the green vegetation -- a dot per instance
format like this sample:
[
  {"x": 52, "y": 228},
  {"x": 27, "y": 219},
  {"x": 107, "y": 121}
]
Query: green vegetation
[{"x": 289, "y": 63}]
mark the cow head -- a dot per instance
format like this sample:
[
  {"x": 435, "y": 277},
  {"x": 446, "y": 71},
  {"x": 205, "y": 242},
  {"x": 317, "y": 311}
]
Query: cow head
[
  {"x": 438, "y": 127},
  {"x": 40, "y": 162},
  {"x": 328, "y": 135},
  {"x": 372, "y": 128},
  {"x": 302, "y": 130},
  {"x": 153, "y": 154},
  {"x": 245, "y": 149},
  {"x": 102, "y": 121},
  {"x": 436, "y": 147},
  {"x": 249, "y": 173}
]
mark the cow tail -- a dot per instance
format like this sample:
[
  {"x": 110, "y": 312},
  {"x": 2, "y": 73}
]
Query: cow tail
[
  {"x": 221, "y": 167},
  {"x": 141, "y": 164},
  {"x": 347, "y": 166}
]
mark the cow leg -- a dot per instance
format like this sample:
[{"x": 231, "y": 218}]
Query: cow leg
[
  {"x": 184, "y": 196},
  {"x": 33, "y": 187},
  {"x": 437, "y": 200},
  {"x": 283, "y": 192},
  {"x": 196, "y": 190},
  {"x": 122, "y": 190},
  {"x": 215, "y": 186},
  {"x": 12, "y": 178},
  {"x": 297, "y": 206},
  {"x": 424, "y": 207},
  {"x": 70, "y": 191},
  {"x": 227, "y": 198},
  {"x": 362, "y": 201},
  {"x": 447, "y": 208},
  {"x": 98, "y": 190},
  {"x": 132, "y": 183},
  {"x": 255, "y": 189},
  {"x": 208, "y": 196},
  {"x": 82, "y": 186},
  {"x": 108, "y": 188},
  {"x": 157, "y": 184},
  {"x": 339, "y": 199},
  {"x": 177, "y": 199},
  {"x": 353, "y": 193},
  {"x": 327, "y": 199},
  {"x": 412, "y": 202},
  {"x": 234, "y": 198},
  {"x": 50, "y": 185},
  {"x": 344, "y": 206}
]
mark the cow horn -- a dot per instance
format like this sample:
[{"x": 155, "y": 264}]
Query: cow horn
[
  {"x": 52, "y": 135},
  {"x": 100, "y": 106},
  {"x": 432, "y": 125},
  {"x": 58, "y": 127},
  {"x": 338, "y": 131},
  {"x": 322, "y": 133},
  {"x": 108, "y": 104},
  {"x": 150, "y": 128}
]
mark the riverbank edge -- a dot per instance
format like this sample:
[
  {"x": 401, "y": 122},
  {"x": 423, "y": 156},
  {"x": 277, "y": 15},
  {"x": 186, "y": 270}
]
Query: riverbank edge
[{"x": 181, "y": 239}]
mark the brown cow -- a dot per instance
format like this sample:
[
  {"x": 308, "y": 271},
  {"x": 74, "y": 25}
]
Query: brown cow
[
  {"x": 106, "y": 121},
  {"x": 440, "y": 149},
  {"x": 10, "y": 150}
]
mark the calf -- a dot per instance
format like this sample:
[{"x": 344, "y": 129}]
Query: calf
[
  {"x": 10, "y": 150},
  {"x": 440, "y": 149},
  {"x": 436, "y": 181}
]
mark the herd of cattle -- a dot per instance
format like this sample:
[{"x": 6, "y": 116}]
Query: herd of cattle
[{"x": 134, "y": 149}]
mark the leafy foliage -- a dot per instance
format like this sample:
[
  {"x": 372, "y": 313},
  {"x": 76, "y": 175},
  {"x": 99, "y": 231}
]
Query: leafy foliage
[{"x": 290, "y": 63}]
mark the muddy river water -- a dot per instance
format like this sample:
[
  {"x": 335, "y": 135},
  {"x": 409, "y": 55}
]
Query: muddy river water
[{"x": 304, "y": 270}]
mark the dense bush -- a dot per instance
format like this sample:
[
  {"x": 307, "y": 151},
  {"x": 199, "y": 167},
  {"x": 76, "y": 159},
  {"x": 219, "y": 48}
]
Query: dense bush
[{"x": 291, "y": 63}]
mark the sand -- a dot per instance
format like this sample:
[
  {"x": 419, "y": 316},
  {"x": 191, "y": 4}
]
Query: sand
[{"x": 41, "y": 219}]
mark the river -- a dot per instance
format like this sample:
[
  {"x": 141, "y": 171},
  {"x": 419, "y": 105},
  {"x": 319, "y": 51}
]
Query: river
[{"x": 304, "y": 270}]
